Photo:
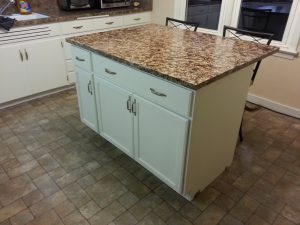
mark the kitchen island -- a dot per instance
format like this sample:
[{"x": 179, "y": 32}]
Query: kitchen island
[{"x": 171, "y": 99}]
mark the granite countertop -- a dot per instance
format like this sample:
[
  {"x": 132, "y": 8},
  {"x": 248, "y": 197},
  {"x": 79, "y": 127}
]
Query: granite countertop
[
  {"x": 188, "y": 58},
  {"x": 50, "y": 8}
]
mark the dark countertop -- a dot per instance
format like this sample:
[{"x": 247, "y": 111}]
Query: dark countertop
[
  {"x": 50, "y": 8},
  {"x": 191, "y": 59}
]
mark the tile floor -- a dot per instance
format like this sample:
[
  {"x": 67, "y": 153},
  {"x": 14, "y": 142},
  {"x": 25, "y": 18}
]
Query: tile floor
[{"x": 54, "y": 170}]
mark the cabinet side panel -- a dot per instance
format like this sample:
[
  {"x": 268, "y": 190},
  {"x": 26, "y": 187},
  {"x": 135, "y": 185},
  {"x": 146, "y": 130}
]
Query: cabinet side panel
[{"x": 217, "y": 114}]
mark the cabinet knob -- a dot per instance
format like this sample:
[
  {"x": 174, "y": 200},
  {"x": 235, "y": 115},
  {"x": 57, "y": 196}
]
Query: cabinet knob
[
  {"x": 160, "y": 94},
  {"x": 133, "y": 107},
  {"x": 110, "y": 72},
  {"x": 137, "y": 19},
  {"x": 129, "y": 104},
  {"x": 21, "y": 55},
  {"x": 26, "y": 55},
  {"x": 109, "y": 23}
]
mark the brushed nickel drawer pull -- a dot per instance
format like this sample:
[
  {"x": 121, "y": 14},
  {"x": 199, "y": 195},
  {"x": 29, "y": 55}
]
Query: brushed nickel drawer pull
[
  {"x": 153, "y": 91},
  {"x": 79, "y": 59},
  {"x": 129, "y": 104},
  {"x": 21, "y": 55},
  {"x": 137, "y": 19},
  {"x": 110, "y": 72},
  {"x": 110, "y": 23},
  {"x": 26, "y": 55},
  {"x": 78, "y": 27},
  {"x": 133, "y": 107}
]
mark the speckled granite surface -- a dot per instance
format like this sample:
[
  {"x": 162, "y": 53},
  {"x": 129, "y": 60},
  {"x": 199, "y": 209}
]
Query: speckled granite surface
[
  {"x": 188, "y": 58},
  {"x": 50, "y": 8}
]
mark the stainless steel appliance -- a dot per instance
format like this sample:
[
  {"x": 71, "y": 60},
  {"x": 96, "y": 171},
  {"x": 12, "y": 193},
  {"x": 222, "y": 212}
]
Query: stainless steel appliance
[
  {"x": 104, "y": 4},
  {"x": 76, "y": 4}
]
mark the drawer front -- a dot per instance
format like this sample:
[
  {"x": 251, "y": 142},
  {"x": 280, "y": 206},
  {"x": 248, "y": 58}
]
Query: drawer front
[
  {"x": 173, "y": 97},
  {"x": 82, "y": 58},
  {"x": 77, "y": 26},
  {"x": 137, "y": 18},
  {"x": 108, "y": 22}
]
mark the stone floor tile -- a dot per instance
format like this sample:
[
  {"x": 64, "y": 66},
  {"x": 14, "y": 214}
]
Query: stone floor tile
[
  {"x": 92, "y": 165},
  {"x": 64, "y": 208},
  {"x": 211, "y": 216},
  {"x": 22, "y": 218},
  {"x": 57, "y": 173},
  {"x": 146, "y": 205},
  {"x": 32, "y": 198},
  {"x": 224, "y": 202},
  {"x": 227, "y": 189},
  {"x": 48, "y": 218},
  {"x": 22, "y": 169},
  {"x": 108, "y": 214},
  {"x": 138, "y": 189},
  {"x": 86, "y": 181},
  {"x": 282, "y": 221},
  {"x": 128, "y": 199},
  {"x": 230, "y": 220},
  {"x": 205, "y": 198},
  {"x": 190, "y": 211},
  {"x": 244, "y": 208},
  {"x": 245, "y": 181},
  {"x": 71, "y": 177},
  {"x": 15, "y": 189},
  {"x": 164, "y": 211},
  {"x": 125, "y": 218},
  {"x": 6, "y": 222},
  {"x": 76, "y": 195},
  {"x": 177, "y": 219},
  {"x": 46, "y": 185},
  {"x": 89, "y": 209},
  {"x": 174, "y": 199},
  {"x": 36, "y": 172},
  {"x": 152, "y": 182},
  {"x": 107, "y": 190},
  {"x": 291, "y": 214},
  {"x": 11, "y": 210},
  {"x": 48, "y": 203},
  {"x": 75, "y": 218},
  {"x": 266, "y": 214},
  {"x": 48, "y": 162},
  {"x": 255, "y": 220}
]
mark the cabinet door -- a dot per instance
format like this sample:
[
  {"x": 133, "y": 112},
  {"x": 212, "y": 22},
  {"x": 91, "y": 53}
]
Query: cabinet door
[
  {"x": 46, "y": 64},
  {"x": 86, "y": 99},
  {"x": 116, "y": 119},
  {"x": 161, "y": 141},
  {"x": 13, "y": 74}
]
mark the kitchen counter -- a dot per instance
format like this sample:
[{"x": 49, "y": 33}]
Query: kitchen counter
[
  {"x": 191, "y": 59},
  {"x": 51, "y": 9}
]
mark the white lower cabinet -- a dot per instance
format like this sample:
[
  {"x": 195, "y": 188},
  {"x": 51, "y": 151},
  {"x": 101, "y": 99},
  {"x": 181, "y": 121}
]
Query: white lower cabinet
[
  {"x": 86, "y": 98},
  {"x": 13, "y": 76},
  {"x": 115, "y": 115},
  {"x": 160, "y": 137}
]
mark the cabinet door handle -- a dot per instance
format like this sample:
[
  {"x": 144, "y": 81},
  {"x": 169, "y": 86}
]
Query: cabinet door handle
[
  {"x": 79, "y": 59},
  {"x": 78, "y": 27},
  {"x": 137, "y": 19},
  {"x": 133, "y": 107},
  {"x": 110, "y": 23},
  {"x": 153, "y": 91},
  {"x": 26, "y": 55},
  {"x": 21, "y": 55},
  {"x": 90, "y": 87},
  {"x": 129, "y": 104},
  {"x": 110, "y": 72}
]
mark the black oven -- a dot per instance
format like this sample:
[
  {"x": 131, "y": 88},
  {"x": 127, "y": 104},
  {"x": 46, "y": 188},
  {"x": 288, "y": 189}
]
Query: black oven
[{"x": 104, "y": 4}]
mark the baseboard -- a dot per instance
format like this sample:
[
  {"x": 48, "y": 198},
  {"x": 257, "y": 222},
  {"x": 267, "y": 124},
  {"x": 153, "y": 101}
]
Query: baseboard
[
  {"x": 275, "y": 106},
  {"x": 35, "y": 96}
]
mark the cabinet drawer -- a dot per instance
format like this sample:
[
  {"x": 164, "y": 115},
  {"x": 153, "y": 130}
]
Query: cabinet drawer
[
  {"x": 77, "y": 26},
  {"x": 137, "y": 18},
  {"x": 108, "y": 22},
  {"x": 82, "y": 58},
  {"x": 162, "y": 92}
]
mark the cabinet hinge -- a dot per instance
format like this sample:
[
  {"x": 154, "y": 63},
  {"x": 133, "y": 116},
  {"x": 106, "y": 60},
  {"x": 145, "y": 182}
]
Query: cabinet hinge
[{"x": 62, "y": 44}]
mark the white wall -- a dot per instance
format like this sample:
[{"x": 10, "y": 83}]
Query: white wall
[{"x": 162, "y": 9}]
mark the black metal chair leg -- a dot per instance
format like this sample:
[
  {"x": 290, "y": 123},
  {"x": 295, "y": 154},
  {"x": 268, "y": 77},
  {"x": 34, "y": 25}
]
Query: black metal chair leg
[{"x": 241, "y": 132}]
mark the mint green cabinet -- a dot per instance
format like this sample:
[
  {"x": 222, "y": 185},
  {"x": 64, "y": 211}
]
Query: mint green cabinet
[
  {"x": 115, "y": 115},
  {"x": 160, "y": 137},
  {"x": 86, "y": 98}
]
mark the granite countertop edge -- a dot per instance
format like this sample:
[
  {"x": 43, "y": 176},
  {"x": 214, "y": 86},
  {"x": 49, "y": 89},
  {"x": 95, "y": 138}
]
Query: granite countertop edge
[{"x": 166, "y": 76}]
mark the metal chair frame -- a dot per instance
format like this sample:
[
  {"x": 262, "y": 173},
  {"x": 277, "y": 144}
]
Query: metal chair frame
[
  {"x": 192, "y": 26},
  {"x": 257, "y": 37}
]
